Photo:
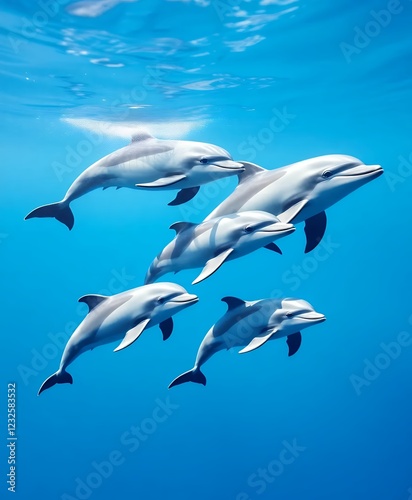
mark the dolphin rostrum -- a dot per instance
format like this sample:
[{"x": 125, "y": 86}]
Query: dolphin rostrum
[
  {"x": 211, "y": 243},
  {"x": 252, "y": 324},
  {"x": 148, "y": 163},
  {"x": 299, "y": 192},
  {"x": 121, "y": 316}
]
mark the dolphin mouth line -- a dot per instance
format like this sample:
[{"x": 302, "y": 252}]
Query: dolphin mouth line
[
  {"x": 186, "y": 300},
  {"x": 230, "y": 165},
  {"x": 281, "y": 230},
  {"x": 320, "y": 319},
  {"x": 238, "y": 169},
  {"x": 373, "y": 171},
  {"x": 189, "y": 301}
]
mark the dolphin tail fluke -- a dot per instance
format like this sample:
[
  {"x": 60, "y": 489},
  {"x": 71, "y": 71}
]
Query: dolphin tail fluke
[
  {"x": 56, "y": 378},
  {"x": 60, "y": 211},
  {"x": 194, "y": 375}
]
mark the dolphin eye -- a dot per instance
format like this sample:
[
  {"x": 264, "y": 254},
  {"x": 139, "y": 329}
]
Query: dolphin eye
[
  {"x": 248, "y": 229},
  {"x": 327, "y": 174},
  {"x": 204, "y": 160},
  {"x": 289, "y": 314},
  {"x": 161, "y": 300}
]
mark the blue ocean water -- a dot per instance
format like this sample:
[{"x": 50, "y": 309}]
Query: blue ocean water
[{"x": 273, "y": 82}]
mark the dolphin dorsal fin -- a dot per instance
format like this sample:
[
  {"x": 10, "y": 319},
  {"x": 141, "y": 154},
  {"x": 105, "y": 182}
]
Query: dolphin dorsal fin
[
  {"x": 250, "y": 169},
  {"x": 233, "y": 302},
  {"x": 93, "y": 300},
  {"x": 181, "y": 226},
  {"x": 141, "y": 136}
]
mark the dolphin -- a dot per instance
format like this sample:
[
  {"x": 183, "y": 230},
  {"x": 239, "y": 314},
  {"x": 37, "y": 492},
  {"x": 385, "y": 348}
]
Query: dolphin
[
  {"x": 121, "y": 316},
  {"x": 211, "y": 243},
  {"x": 252, "y": 324},
  {"x": 147, "y": 162},
  {"x": 300, "y": 192}
]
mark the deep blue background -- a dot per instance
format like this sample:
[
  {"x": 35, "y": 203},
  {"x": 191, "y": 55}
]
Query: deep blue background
[{"x": 356, "y": 446}]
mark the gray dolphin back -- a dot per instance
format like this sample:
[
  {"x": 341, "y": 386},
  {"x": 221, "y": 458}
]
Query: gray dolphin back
[{"x": 250, "y": 184}]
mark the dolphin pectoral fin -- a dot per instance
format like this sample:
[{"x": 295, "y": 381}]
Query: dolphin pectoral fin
[
  {"x": 293, "y": 341},
  {"x": 184, "y": 195},
  {"x": 213, "y": 265},
  {"x": 132, "y": 335},
  {"x": 93, "y": 300},
  {"x": 167, "y": 328},
  {"x": 257, "y": 342},
  {"x": 315, "y": 228},
  {"x": 274, "y": 248},
  {"x": 163, "y": 181},
  {"x": 289, "y": 214}
]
